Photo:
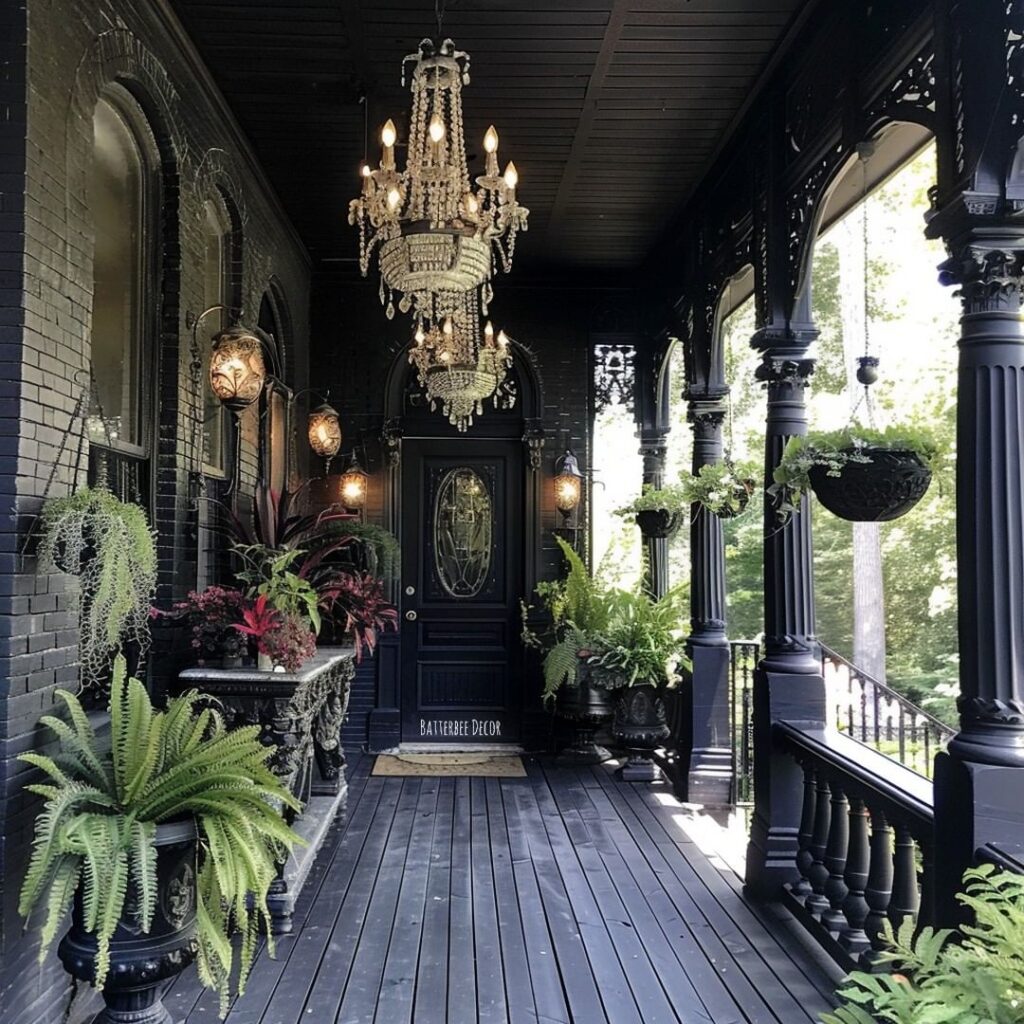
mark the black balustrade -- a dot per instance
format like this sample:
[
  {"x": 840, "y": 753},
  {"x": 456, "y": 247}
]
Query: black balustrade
[{"x": 743, "y": 658}]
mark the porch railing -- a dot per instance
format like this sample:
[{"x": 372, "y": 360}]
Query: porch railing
[
  {"x": 743, "y": 658},
  {"x": 868, "y": 710},
  {"x": 865, "y": 848}
]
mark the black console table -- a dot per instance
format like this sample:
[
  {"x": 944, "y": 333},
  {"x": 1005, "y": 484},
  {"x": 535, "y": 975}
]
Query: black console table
[{"x": 300, "y": 713}]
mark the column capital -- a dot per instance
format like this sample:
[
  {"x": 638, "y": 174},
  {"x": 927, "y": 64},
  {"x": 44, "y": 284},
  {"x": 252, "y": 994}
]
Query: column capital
[
  {"x": 785, "y": 368},
  {"x": 988, "y": 268}
]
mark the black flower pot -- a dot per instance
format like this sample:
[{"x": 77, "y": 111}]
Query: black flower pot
[
  {"x": 657, "y": 523},
  {"x": 640, "y": 727},
  {"x": 141, "y": 963},
  {"x": 885, "y": 488},
  {"x": 587, "y": 708}
]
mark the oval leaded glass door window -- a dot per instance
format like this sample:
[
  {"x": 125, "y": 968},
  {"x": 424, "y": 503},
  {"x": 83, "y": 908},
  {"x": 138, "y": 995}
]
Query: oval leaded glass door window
[{"x": 463, "y": 532}]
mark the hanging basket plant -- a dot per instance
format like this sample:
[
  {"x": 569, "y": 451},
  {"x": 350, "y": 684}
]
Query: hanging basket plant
[
  {"x": 658, "y": 511},
  {"x": 108, "y": 545},
  {"x": 722, "y": 488},
  {"x": 858, "y": 474}
]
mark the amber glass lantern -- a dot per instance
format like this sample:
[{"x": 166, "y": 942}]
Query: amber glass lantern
[
  {"x": 352, "y": 485},
  {"x": 237, "y": 369},
  {"x": 324, "y": 431},
  {"x": 568, "y": 485}
]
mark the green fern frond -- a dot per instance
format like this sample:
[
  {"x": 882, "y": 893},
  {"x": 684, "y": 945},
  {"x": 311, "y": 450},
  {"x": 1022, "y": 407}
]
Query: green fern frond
[
  {"x": 62, "y": 891},
  {"x": 142, "y": 854}
]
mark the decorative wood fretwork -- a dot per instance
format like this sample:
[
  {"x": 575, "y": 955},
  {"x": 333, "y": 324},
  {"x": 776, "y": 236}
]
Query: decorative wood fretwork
[
  {"x": 910, "y": 96},
  {"x": 614, "y": 376}
]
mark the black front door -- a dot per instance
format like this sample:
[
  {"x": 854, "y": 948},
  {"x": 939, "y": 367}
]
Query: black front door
[{"x": 462, "y": 567}]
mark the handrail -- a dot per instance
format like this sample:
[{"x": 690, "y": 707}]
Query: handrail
[{"x": 828, "y": 654}]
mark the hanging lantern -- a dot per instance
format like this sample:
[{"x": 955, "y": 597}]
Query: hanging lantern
[
  {"x": 237, "y": 369},
  {"x": 568, "y": 485},
  {"x": 353, "y": 485},
  {"x": 324, "y": 431}
]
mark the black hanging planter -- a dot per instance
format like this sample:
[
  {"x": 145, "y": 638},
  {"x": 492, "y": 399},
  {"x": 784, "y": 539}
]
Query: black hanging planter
[
  {"x": 657, "y": 523},
  {"x": 885, "y": 488},
  {"x": 742, "y": 494},
  {"x": 587, "y": 708},
  {"x": 640, "y": 727},
  {"x": 141, "y": 963}
]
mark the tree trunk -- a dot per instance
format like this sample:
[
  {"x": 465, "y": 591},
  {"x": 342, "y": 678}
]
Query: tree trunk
[{"x": 868, "y": 587}]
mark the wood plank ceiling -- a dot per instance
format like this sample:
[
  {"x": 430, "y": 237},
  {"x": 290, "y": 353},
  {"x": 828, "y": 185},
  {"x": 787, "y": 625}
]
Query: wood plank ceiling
[{"x": 610, "y": 108}]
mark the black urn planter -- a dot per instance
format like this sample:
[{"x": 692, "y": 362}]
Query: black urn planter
[
  {"x": 141, "y": 963},
  {"x": 587, "y": 708},
  {"x": 657, "y": 523},
  {"x": 885, "y": 488},
  {"x": 640, "y": 727}
]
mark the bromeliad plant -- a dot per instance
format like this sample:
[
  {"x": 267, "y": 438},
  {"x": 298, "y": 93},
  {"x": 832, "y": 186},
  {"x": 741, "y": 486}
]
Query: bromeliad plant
[
  {"x": 108, "y": 545},
  {"x": 974, "y": 978},
  {"x": 104, "y": 799}
]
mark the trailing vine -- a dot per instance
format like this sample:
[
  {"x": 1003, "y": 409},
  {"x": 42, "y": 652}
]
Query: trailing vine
[{"x": 109, "y": 546}]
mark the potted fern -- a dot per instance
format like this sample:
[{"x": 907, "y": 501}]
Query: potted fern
[
  {"x": 858, "y": 474},
  {"x": 576, "y": 608},
  {"x": 164, "y": 838},
  {"x": 108, "y": 545},
  {"x": 979, "y": 978}
]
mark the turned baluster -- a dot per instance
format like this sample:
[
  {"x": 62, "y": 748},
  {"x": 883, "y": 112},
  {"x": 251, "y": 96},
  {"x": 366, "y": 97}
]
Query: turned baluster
[
  {"x": 804, "y": 856},
  {"x": 858, "y": 859},
  {"x": 878, "y": 891},
  {"x": 817, "y": 873},
  {"x": 906, "y": 897},
  {"x": 835, "y": 861}
]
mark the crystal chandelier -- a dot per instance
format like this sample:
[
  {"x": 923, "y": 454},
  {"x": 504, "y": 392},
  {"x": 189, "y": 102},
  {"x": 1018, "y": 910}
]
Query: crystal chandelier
[
  {"x": 435, "y": 232},
  {"x": 457, "y": 368}
]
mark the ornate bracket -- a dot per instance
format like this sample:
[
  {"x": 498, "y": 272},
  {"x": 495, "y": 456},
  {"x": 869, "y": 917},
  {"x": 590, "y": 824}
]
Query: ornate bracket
[
  {"x": 391, "y": 441},
  {"x": 533, "y": 438}
]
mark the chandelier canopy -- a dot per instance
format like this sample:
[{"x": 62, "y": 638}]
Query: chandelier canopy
[
  {"x": 457, "y": 368},
  {"x": 436, "y": 233}
]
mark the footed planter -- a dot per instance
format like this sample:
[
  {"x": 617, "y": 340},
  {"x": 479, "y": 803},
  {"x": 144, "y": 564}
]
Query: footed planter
[
  {"x": 141, "y": 963},
  {"x": 640, "y": 727},
  {"x": 587, "y": 707},
  {"x": 885, "y": 488}
]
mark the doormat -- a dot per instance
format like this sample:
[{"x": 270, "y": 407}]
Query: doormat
[{"x": 486, "y": 766}]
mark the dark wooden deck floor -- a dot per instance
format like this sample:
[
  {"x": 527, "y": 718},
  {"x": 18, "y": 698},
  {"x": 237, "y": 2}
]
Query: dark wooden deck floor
[{"x": 563, "y": 897}]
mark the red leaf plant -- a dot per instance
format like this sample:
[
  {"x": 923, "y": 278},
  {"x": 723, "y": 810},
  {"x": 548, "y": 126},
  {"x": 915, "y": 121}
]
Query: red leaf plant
[
  {"x": 258, "y": 620},
  {"x": 358, "y": 600}
]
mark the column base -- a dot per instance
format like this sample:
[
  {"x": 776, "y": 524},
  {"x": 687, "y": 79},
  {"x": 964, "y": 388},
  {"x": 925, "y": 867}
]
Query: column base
[{"x": 709, "y": 775}]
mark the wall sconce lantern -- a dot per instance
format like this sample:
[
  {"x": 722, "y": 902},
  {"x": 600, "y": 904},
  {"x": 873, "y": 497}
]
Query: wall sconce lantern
[
  {"x": 324, "y": 431},
  {"x": 237, "y": 369},
  {"x": 568, "y": 484},
  {"x": 352, "y": 485}
]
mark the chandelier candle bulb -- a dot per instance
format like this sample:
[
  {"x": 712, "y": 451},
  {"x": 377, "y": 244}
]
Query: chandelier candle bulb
[
  {"x": 511, "y": 176},
  {"x": 436, "y": 129}
]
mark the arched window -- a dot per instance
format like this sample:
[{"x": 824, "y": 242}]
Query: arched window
[
  {"x": 217, "y": 291},
  {"x": 122, "y": 209}
]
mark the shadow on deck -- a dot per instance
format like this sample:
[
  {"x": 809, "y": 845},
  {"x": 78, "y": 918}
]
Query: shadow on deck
[{"x": 563, "y": 897}]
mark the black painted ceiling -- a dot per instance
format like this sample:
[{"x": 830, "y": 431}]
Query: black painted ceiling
[{"x": 611, "y": 109}]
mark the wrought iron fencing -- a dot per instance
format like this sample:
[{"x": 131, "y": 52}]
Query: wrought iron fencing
[
  {"x": 875, "y": 714},
  {"x": 743, "y": 658}
]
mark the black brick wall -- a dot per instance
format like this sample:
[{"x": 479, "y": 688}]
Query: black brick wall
[{"x": 56, "y": 56}]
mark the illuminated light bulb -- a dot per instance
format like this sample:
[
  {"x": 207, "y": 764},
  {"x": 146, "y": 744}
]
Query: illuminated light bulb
[
  {"x": 436, "y": 129},
  {"x": 511, "y": 175},
  {"x": 470, "y": 203},
  {"x": 489, "y": 332},
  {"x": 365, "y": 170},
  {"x": 447, "y": 328},
  {"x": 502, "y": 339},
  {"x": 394, "y": 198},
  {"x": 491, "y": 140},
  {"x": 420, "y": 336},
  {"x": 389, "y": 134},
  {"x": 445, "y": 356}
]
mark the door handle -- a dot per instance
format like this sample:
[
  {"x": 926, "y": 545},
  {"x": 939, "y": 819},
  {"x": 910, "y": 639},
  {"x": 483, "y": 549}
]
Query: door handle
[{"x": 411, "y": 616}]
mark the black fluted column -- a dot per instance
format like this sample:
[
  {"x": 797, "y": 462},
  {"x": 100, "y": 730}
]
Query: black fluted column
[
  {"x": 653, "y": 448},
  {"x": 788, "y": 684},
  {"x": 710, "y": 772},
  {"x": 979, "y": 783}
]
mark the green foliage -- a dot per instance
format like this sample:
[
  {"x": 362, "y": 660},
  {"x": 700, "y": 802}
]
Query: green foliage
[
  {"x": 109, "y": 546},
  {"x": 643, "y": 640},
  {"x": 836, "y": 449},
  {"x": 380, "y": 546},
  {"x": 722, "y": 488},
  {"x": 104, "y": 799},
  {"x": 974, "y": 978},
  {"x": 671, "y": 499},
  {"x": 268, "y": 572}
]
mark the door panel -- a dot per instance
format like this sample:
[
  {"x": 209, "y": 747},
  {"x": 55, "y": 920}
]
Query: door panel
[{"x": 462, "y": 568}]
